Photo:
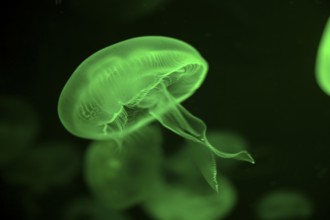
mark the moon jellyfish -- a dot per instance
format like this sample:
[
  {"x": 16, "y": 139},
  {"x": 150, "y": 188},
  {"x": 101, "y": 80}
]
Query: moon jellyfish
[
  {"x": 178, "y": 202},
  {"x": 123, "y": 87},
  {"x": 189, "y": 198},
  {"x": 88, "y": 208},
  {"x": 19, "y": 126},
  {"x": 284, "y": 204},
  {"x": 323, "y": 60},
  {"x": 44, "y": 167},
  {"x": 121, "y": 172}
]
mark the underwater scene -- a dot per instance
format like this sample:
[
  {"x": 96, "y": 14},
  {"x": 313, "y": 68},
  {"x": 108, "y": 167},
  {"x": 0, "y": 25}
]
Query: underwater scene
[{"x": 165, "y": 110}]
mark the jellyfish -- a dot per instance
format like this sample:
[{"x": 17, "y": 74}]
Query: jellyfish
[
  {"x": 173, "y": 202},
  {"x": 19, "y": 127},
  {"x": 284, "y": 204},
  {"x": 183, "y": 195},
  {"x": 121, "y": 173},
  {"x": 51, "y": 164},
  {"x": 323, "y": 60},
  {"x": 123, "y": 87}
]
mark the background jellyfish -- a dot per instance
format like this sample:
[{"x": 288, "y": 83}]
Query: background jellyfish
[
  {"x": 19, "y": 127},
  {"x": 47, "y": 166},
  {"x": 125, "y": 86},
  {"x": 121, "y": 172},
  {"x": 323, "y": 60},
  {"x": 182, "y": 193},
  {"x": 172, "y": 202},
  {"x": 284, "y": 204}
]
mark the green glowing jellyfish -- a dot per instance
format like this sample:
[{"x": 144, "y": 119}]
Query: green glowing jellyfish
[
  {"x": 88, "y": 208},
  {"x": 46, "y": 166},
  {"x": 121, "y": 172},
  {"x": 123, "y": 87},
  {"x": 323, "y": 60},
  {"x": 284, "y": 204},
  {"x": 19, "y": 127},
  {"x": 188, "y": 201}
]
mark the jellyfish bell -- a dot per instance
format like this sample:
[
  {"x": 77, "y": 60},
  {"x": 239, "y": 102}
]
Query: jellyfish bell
[
  {"x": 284, "y": 204},
  {"x": 122, "y": 81},
  {"x": 322, "y": 66},
  {"x": 191, "y": 200}
]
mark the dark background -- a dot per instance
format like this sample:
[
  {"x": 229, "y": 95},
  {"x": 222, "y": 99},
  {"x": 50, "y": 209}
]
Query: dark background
[{"x": 261, "y": 81}]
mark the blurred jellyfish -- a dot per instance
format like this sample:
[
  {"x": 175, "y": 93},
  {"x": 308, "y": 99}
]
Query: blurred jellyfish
[
  {"x": 19, "y": 126},
  {"x": 89, "y": 209},
  {"x": 184, "y": 201},
  {"x": 44, "y": 167},
  {"x": 284, "y": 205},
  {"x": 120, "y": 172},
  {"x": 323, "y": 60},
  {"x": 183, "y": 194}
]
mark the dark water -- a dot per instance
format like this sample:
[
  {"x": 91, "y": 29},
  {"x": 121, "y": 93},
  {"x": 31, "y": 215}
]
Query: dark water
[{"x": 261, "y": 84}]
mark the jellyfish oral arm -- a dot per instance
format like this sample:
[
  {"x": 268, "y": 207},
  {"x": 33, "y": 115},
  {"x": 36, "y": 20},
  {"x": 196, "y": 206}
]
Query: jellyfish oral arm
[
  {"x": 206, "y": 163},
  {"x": 182, "y": 122}
]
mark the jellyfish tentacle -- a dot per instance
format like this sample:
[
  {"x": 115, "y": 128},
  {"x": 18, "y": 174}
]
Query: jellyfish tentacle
[
  {"x": 206, "y": 163},
  {"x": 182, "y": 122}
]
